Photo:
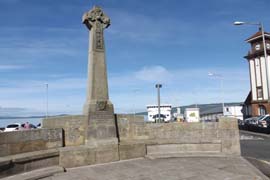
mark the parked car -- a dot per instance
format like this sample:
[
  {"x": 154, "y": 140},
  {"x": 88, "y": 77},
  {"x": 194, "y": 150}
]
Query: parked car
[
  {"x": 13, "y": 127},
  {"x": 251, "y": 121},
  {"x": 241, "y": 122},
  {"x": 264, "y": 121}
]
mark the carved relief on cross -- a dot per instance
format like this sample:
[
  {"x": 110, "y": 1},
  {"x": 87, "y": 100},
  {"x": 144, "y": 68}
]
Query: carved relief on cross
[{"x": 96, "y": 20}]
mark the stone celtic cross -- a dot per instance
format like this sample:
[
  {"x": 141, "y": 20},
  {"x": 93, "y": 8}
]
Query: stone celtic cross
[{"x": 97, "y": 21}]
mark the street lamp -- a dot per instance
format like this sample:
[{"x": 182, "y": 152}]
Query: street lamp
[
  {"x": 134, "y": 108},
  {"x": 219, "y": 76},
  {"x": 238, "y": 23},
  {"x": 158, "y": 86}
]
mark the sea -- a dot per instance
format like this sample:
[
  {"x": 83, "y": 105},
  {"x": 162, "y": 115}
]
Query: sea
[{"x": 4, "y": 122}]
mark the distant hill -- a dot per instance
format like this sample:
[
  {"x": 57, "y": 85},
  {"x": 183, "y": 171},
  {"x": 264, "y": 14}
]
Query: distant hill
[{"x": 25, "y": 117}]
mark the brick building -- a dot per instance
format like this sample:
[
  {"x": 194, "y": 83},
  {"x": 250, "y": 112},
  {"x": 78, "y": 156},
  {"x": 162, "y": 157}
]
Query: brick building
[{"x": 258, "y": 100}]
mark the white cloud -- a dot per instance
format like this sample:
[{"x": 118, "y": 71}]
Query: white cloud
[
  {"x": 180, "y": 87},
  {"x": 153, "y": 74},
  {"x": 10, "y": 67}
]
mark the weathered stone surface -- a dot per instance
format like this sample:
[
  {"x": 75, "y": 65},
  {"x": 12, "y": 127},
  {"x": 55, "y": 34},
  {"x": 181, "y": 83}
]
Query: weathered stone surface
[
  {"x": 222, "y": 135},
  {"x": 77, "y": 156},
  {"x": 30, "y": 140},
  {"x": 37, "y": 174},
  {"x": 106, "y": 154},
  {"x": 97, "y": 92},
  {"x": 87, "y": 155},
  {"x": 131, "y": 150},
  {"x": 98, "y": 108},
  {"x": 73, "y": 126},
  {"x": 183, "y": 148},
  {"x": 195, "y": 168},
  {"x": 24, "y": 162}
]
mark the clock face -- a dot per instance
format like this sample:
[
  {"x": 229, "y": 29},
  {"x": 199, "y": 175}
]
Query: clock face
[{"x": 257, "y": 47}]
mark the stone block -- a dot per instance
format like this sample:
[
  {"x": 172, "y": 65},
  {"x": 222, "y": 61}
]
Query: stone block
[
  {"x": 231, "y": 147},
  {"x": 28, "y": 146},
  {"x": 76, "y": 156},
  {"x": 28, "y": 161},
  {"x": 228, "y": 123},
  {"x": 30, "y": 140},
  {"x": 131, "y": 151},
  {"x": 183, "y": 148},
  {"x": 4, "y": 150},
  {"x": 106, "y": 154},
  {"x": 73, "y": 127},
  {"x": 3, "y": 138}
]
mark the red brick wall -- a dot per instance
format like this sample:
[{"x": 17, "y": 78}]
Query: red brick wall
[{"x": 255, "y": 108}]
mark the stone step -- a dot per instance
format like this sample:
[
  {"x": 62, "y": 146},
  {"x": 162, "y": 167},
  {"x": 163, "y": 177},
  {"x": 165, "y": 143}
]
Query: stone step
[
  {"x": 184, "y": 155},
  {"x": 37, "y": 174},
  {"x": 183, "y": 148}
]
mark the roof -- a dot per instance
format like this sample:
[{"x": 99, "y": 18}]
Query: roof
[
  {"x": 204, "y": 108},
  {"x": 257, "y": 35},
  {"x": 209, "y": 108},
  {"x": 248, "y": 99}
]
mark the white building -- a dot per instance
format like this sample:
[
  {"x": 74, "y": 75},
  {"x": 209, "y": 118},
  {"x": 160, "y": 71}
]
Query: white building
[
  {"x": 165, "y": 112},
  {"x": 234, "y": 111},
  {"x": 212, "y": 112},
  {"x": 192, "y": 114}
]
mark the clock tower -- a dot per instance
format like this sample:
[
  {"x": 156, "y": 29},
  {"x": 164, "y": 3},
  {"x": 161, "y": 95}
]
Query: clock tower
[{"x": 258, "y": 101}]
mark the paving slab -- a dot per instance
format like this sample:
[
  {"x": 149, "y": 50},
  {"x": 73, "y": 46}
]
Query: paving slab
[
  {"x": 192, "y": 168},
  {"x": 37, "y": 174}
]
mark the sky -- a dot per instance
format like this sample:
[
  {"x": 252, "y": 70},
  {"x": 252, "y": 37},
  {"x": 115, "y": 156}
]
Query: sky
[{"x": 175, "y": 43}]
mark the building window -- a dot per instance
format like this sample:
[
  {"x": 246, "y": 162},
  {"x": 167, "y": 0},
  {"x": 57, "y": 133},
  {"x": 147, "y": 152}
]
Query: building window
[
  {"x": 259, "y": 92},
  {"x": 262, "y": 110}
]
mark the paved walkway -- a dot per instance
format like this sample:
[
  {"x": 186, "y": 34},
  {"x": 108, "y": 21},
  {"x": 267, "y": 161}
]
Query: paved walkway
[{"x": 169, "y": 169}]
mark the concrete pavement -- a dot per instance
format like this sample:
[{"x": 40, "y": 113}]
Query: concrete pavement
[
  {"x": 255, "y": 148},
  {"x": 195, "y": 168}
]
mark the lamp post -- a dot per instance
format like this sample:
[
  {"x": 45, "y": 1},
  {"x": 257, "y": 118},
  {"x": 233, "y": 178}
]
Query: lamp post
[
  {"x": 158, "y": 86},
  {"x": 219, "y": 76},
  {"x": 47, "y": 99},
  {"x": 238, "y": 23},
  {"x": 135, "y": 96}
]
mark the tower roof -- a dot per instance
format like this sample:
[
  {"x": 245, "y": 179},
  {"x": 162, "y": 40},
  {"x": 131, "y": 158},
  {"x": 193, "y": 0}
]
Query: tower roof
[{"x": 258, "y": 35}]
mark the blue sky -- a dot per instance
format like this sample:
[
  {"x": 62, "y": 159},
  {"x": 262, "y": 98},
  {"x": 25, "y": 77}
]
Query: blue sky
[{"x": 172, "y": 42}]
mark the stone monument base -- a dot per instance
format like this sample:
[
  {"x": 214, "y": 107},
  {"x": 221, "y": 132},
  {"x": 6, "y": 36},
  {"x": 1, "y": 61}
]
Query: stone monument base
[{"x": 88, "y": 155}]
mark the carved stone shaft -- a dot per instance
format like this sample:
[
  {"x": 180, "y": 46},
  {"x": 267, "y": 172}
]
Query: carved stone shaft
[
  {"x": 101, "y": 127},
  {"x": 97, "y": 90}
]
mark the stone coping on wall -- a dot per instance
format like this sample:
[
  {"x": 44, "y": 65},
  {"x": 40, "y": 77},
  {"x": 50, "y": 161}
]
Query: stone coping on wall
[
  {"x": 23, "y": 141},
  {"x": 23, "y": 162}
]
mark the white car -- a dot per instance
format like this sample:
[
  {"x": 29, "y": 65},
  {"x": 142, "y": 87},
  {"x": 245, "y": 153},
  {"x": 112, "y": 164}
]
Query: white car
[{"x": 13, "y": 127}]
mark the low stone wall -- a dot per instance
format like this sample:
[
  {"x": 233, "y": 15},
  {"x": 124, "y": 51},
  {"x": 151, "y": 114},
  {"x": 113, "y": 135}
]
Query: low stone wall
[
  {"x": 73, "y": 126},
  {"x": 140, "y": 139},
  {"x": 215, "y": 137},
  {"x": 23, "y": 162},
  {"x": 30, "y": 140}
]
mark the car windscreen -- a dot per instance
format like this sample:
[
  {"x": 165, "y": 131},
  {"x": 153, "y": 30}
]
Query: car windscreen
[
  {"x": 260, "y": 117},
  {"x": 13, "y": 126}
]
